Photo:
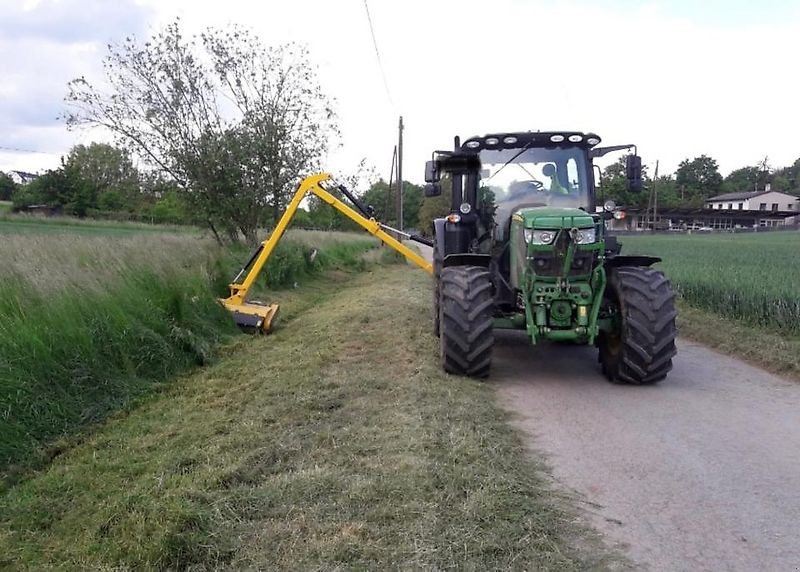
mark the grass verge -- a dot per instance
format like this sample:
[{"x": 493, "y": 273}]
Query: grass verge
[
  {"x": 334, "y": 443},
  {"x": 90, "y": 325},
  {"x": 774, "y": 352}
]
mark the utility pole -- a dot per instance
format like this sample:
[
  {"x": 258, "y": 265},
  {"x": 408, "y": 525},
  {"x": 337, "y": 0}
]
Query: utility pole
[
  {"x": 400, "y": 176},
  {"x": 655, "y": 197}
]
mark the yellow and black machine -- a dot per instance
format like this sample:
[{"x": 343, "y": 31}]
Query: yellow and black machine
[{"x": 257, "y": 316}]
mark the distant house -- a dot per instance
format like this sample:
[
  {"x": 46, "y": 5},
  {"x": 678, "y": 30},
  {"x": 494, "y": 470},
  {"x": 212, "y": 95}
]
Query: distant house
[
  {"x": 766, "y": 200},
  {"x": 21, "y": 177}
]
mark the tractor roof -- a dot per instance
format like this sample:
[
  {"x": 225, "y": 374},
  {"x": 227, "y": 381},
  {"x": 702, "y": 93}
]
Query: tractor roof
[{"x": 531, "y": 139}]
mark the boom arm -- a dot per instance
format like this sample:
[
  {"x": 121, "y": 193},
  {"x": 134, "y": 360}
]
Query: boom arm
[{"x": 260, "y": 316}]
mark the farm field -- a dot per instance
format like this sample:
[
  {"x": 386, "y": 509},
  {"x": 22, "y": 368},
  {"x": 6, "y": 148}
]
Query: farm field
[
  {"x": 739, "y": 293},
  {"x": 17, "y": 224},
  {"x": 750, "y": 277}
]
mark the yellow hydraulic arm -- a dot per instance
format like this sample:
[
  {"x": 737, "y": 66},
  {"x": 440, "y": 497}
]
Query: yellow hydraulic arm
[{"x": 259, "y": 317}]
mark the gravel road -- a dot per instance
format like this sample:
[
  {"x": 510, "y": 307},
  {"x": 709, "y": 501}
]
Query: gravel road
[{"x": 699, "y": 472}]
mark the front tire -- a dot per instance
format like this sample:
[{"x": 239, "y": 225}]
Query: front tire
[
  {"x": 466, "y": 320},
  {"x": 641, "y": 349}
]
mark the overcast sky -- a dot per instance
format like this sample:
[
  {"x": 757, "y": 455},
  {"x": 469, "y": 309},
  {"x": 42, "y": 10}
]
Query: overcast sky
[{"x": 678, "y": 77}]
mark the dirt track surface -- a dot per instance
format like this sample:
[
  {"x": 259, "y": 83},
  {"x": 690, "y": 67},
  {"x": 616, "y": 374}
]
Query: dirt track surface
[{"x": 699, "y": 472}]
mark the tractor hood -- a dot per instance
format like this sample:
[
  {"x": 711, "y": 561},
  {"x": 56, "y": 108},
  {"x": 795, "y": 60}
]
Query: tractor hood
[{"x": 554, "y": 218}]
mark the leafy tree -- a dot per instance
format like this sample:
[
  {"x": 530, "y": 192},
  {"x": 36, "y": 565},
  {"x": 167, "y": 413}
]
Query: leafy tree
[
  {"x": 742, "y": 180},
  {"x": 234, "y": 123},
  {"x": 53, "y": 189},
  {"x": 412, "y": 202},
  {"x": 614, "y": 186},
  {"x": 109, "y": 171},
  {"x": 7, "y": 187},
  {"x": 434, "y": 207},
  {"x": 381, "y": 198},
  {"x": 698, "y": 179}
]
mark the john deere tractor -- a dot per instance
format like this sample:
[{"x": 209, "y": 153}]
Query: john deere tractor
[{"x": 524, "y": 247}]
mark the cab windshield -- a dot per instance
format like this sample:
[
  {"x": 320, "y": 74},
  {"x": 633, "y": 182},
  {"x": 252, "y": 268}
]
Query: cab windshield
[{"x": 535, "y": 177}]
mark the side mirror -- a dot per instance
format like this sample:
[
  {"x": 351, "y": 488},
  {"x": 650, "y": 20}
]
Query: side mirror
[
  {"x": 633, "y": 172},
  {"x": 432, "y": 189},
  {"x": 432, "y": 172}
]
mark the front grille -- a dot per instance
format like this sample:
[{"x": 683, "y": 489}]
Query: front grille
[{"x": 551, "y": 264}]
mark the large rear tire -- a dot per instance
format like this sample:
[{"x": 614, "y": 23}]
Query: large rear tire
[
  {"x": 641, "y": 350},
  {"x": 466, "y": 319},
  {"x": 437, "y": 279}
]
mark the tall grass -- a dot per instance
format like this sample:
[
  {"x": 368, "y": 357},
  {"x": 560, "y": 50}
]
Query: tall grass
[
  {"x": 754, "y": 278},
  {"x": 88, "y": 323},
  {"x": 18, "y": 223}
]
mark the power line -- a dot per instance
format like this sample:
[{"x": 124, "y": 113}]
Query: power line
[
  {"x": 18, "y": 150},
  {"x": 378, "y": 54}
]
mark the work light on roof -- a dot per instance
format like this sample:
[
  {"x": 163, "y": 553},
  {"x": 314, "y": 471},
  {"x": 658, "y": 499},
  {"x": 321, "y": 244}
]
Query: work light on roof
[
  {"x": 575, "y": 138},
  {"x": 556, "y": 138},
  {"x": 510, "y": 140},
  {"x": 593, "y": 140},
  {"x": 473, "y": 144},
  {"x": 492, "y": 141}
]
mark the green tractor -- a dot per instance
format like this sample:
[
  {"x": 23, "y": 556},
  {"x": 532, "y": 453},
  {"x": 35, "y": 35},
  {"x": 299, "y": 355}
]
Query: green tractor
[{"x": 524, "y": 248}]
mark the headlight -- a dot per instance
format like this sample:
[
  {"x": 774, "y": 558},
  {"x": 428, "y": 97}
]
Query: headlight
[
  {"x": 539, "y": 236},
  {"x": 586, "y": 236}
]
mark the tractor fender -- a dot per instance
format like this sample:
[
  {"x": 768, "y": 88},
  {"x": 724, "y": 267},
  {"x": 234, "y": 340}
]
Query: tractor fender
[
  {"x": 467, "y": 259},
  {"x": 631, "y": 260}
]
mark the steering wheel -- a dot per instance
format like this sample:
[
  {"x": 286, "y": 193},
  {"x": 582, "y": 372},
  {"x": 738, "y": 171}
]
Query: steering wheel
[
  {"x": 522, "y": 188},
  {"x": 536, "y": 184}
]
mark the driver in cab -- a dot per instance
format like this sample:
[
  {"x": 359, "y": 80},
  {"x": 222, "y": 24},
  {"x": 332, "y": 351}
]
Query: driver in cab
[{"x": 527, "y": 193}]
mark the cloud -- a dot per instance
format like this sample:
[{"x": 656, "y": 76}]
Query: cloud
[
  {"x": 42, "y": 47},
  {"x": 673, "y": 78},
  {"x": 73, "y": 21}
]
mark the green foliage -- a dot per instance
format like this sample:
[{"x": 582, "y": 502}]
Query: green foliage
[
  {"x": 337, "y": 443},
  {"x": 698, "y": 179},
  {"x": 435, "y": 207},
  {"x": 412, "y": 202},
  {"x": 71, "y": 359},
  {"x": 756, "y": 178},
  {"x": 614, "y": 186},
  {"x": 743, "y": 180},
  {"x": 95, "y": 323},
  {"x": 381, "y": 198},
  {"x": 109, "y": 172},
  {"x": 233, "y": 122},
  {"x": 7, "y": 187},
  {"x": 748, "y": 277}
]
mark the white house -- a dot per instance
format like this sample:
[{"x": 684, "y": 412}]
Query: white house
[
  {"x": 21, "y": 177},
  {"x": 766, "y": 200}
]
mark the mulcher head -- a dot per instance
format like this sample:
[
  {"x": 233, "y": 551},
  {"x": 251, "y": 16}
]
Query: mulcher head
[{"x": 253, "y": 317}]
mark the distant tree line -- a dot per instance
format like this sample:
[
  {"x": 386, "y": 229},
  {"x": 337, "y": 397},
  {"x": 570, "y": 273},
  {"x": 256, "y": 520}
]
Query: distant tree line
[
  {"x": 696, "y": 180},
  {"x": 100, "y": 180}
]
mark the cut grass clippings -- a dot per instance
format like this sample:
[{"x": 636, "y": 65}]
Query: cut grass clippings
[{"x": 335, "y": 443}]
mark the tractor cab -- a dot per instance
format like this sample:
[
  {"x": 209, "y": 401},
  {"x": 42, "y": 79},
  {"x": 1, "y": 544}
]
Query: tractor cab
[{"x": 534, "y": 170}]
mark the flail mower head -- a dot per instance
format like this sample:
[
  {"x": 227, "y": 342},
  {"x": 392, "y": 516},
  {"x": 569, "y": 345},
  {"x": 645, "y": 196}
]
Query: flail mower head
[{"x": 252, "y": 317}]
